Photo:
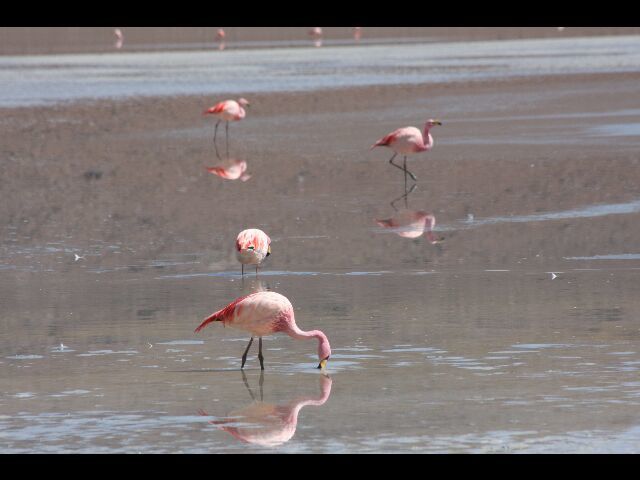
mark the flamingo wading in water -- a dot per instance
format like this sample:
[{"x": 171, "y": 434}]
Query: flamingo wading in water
[
  {"x": 252, "y": 247},
  {"x": 229, "y": 111},
  {"x": 266, "y": 313},
  {"x": 408, "y": 141}
]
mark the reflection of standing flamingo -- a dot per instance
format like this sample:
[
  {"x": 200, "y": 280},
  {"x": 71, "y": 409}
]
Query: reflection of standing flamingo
[
  {"x": 270, "y": 425},
  {"x": 407, "y": 141},
  {"x": 220, "y": 36},
  {"x": 231, "y": 170},
  {"x": 252, "y": 247},
  {"x": 412, "y": 224},
  {"x": 229, "y": 111},
  {"x": 119, "y": 38},
  {"x": 357, "y": 33},
  {"x": 265, "y": 313},
  {"x": 316, "y": 35}
]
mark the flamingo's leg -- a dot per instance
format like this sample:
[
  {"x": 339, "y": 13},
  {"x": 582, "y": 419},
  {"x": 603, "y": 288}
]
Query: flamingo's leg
[
  {"x": 215, "y": 134},
  {"x": 260, "y": 357},
  {"x": 244, "y": 355},
  {"x": 407, "y": 171},
  {"x": 227, "y": 131}
]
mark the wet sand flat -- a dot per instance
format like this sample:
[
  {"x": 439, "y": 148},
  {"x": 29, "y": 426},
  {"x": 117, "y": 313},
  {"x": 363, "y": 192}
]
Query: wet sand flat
[{"x": 517, "y": 333}]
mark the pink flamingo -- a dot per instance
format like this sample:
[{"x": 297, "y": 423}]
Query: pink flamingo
[
  {"x": 357, "y": 33},
  {"x": 220, "y": 36},
  {"x": 119, "y": 38},
  {"x": 412, "y": 224},
  {"x": 270, "y": 425},
  {"x": 229, "y": 111},
  {"x": 231, "y": 170},
  {"x": 265, "y": 313},
  {"x": 316, "y": 35},
  {"x": 252, "y": 247},
  {"x": 407, "y": 141}
]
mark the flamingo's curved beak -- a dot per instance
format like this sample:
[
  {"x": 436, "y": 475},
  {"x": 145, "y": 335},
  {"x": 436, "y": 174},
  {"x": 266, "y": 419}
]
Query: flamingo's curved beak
[
  {"x": 323, "y": 363},
  {"x": 437, "y": 122}
]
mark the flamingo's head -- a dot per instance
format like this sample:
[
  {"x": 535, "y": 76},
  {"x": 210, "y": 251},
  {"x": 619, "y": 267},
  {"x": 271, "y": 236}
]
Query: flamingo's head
[
  {"x": 324, "y": 350},
  {"x": 243, "y": 102},
  {"x": 431, "y": 122}
]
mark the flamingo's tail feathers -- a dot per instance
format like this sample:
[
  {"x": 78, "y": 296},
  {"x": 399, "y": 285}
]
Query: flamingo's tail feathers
[
  {"x": 224, "y": 315},
  {"x": 208, "y": 320}
]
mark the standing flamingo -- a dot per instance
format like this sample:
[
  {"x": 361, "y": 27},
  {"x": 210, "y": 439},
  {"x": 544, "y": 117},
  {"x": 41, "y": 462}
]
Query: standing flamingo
[
  {"x": 357, "y": 33},
  {"x": 119, "y": 38},
  {"x": 252, "y": 247},
  {"x": 265, "y": 313},
  {"x": 220, "y": 36},
  {"x": 407, "y": 141},
  {"x": 316, "y": 35},
  {"x": 229, "y": 111}
]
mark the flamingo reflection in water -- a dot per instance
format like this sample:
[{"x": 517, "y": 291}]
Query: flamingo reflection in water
[
  {"x": 231, "y": 169},
  {"x": 268, "y": 424},
  {"x": 409, "y": 223}
]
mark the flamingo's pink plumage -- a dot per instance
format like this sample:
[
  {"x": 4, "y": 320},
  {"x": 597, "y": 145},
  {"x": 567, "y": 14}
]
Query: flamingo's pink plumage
[
  {"x": 266, "y": 313},
  {"x": 408, "y": 141}
]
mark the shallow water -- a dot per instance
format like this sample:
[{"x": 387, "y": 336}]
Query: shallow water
[
  {"x": 452, "y": 361},
  {"x": 36, "y": 80}
]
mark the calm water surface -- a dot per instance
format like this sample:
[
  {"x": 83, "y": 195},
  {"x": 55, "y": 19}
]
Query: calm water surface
[{"x": 35, "y": 80}]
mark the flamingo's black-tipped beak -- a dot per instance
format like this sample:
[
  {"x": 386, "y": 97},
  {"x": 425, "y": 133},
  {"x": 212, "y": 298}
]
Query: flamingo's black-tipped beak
[
  {"x": 437, "y": 122},
  {"x": 323, "y": 363}
]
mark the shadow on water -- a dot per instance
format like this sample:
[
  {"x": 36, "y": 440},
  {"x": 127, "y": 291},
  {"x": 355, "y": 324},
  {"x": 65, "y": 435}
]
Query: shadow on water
[{"x": 268, "y": 424}]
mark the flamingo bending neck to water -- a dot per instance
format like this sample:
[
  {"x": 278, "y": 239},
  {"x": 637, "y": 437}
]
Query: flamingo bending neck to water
[
  {"x": 408, "y": 141},
  {"x": 266, "y": 313}
]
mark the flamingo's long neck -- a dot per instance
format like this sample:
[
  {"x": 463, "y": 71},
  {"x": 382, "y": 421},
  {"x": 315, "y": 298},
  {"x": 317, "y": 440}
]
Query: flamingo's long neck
[
  {"x": 295, "y": 332},
  {"x": 427, "y": 138}
]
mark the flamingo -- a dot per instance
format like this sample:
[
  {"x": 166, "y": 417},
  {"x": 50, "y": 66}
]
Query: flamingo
[
  {"x": 231, "y": 170},
  {"x": 357, "y": 33},
  {"x": 316, "y": 35},
  {"x": 252, "y": 247},
  {"x": 220, "y": 36},
  {"x": 270, "y": 425},
  {"x": 407, "y": 141},
  {"x": 412, "y": 224},
  {"x": 119, "y": 38},
  {"x": 265, "y": 313},
  {"x": 229, "y": 111}
]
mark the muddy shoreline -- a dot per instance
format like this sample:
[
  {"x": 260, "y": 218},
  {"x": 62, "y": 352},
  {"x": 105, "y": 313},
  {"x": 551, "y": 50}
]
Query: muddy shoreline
[{"x": 59, "y": 40}]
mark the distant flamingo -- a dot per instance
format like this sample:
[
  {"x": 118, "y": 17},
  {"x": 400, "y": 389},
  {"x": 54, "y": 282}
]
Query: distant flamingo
[
  {"x": 252, "y": 247},
  {"x": 220, "y": 36},
  {"x": 229, "y": 111},
  {"x": 316, "y": 35},
  {"x": 269, "y": 425},
  {"x": 357, "y": 33},
  {"x": 265, "y": 313},
  {"x": 119, "y": 38},
  {"x": 231, "y": 170},
  {"x": 407, "y": 141},
  {"x": 412, "y": 224}
]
